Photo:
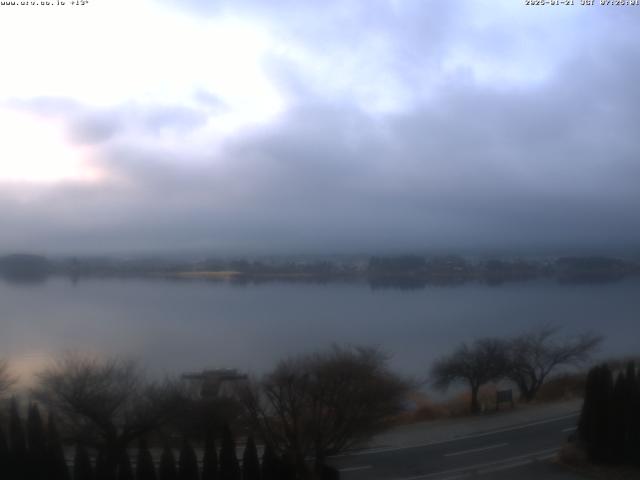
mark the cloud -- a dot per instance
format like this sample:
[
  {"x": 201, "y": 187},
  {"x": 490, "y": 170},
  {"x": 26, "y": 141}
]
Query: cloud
[{"x": 404, "y": 128}]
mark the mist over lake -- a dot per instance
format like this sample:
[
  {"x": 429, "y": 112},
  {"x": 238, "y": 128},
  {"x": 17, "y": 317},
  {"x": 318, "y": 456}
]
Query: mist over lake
[{"x": 176, "y": 326}]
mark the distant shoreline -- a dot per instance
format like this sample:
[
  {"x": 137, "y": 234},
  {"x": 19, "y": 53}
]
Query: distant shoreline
[{"x": 405, "y": 271}]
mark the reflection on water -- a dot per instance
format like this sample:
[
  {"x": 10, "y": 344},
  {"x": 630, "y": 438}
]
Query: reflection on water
[
  {"x": 174, "y": 326},
  {"x": 25, "y": 278}
]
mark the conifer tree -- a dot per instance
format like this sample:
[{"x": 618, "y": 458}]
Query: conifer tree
[
  {"x": 17, "y": 442},
  {"x": 634, "y": 422},
  {"x": 287, "y": 467},
  {"x": 145, "y": 469},
  {"x": 16, "y": 432},
  {"x": 618, "y": 421},
  {"x": 586, "y": 422},
  {"x": 57, "y": 464},
  {"x": 229, "y": 468},
  {"x": 37, "y": 444},
  {"x": 631, "y": 406},
  {"x": 269, "y": 467},
  {"x": 168, "y": 469},
  {"x": 125, "y": 472},
  {"x": 210, "y": 459},
  {"x": 4, "y": 454},
  {"x": 594, "y": 427},
  {"x": 35, "y": 432},
  {"x": 103, "y": 471},
  {"x": 250, "y": 462},
  {"x": 82, "y": 468},
  {"x": 188, "y": 462},
  {"x": 602, "y": 445}
]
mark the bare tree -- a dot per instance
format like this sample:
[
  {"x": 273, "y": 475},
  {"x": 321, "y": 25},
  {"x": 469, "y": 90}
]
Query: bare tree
[
  {"x": 534, "y": 355},
  {"x": 106, "y": 402},
  {"x": 317, "y": 405},
  {"x": 6, "y": 379},
  {"x": 483, "y": 361}
]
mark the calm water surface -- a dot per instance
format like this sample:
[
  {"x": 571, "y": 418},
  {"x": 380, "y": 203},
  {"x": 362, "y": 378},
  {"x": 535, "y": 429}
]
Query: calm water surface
[{"x": 176, "y": 326}]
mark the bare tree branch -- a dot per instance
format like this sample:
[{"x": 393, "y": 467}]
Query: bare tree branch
[
  {"x": 107, "y": 402},
  {"x": 534, "y": 355},
  {"x": 483, "y": 361},
  {"x": 6, "y": 379},
  {"x": 322, "y": 404}
]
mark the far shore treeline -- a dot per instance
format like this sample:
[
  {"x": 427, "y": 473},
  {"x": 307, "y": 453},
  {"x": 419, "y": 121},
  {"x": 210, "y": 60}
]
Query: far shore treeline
[{"x": 399, "y": 271}]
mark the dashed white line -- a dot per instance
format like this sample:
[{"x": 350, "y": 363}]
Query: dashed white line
[
  {"x": 506, "y": 463},
  {"x": 474, "y": 450},
  {"x": 508, "y": 466},
  {"x": 355, "y": 469},
  {"x": 373, "y": 451}
]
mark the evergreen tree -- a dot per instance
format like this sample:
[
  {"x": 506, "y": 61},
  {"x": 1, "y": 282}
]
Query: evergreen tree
[
  {"x": 145, "y": 470},
  {"x": 103, "y": 472},
  {"x": 210, "y": 459},
  {"x": 634, "y": 422},
  {"x": 58, "y": 469},
  {"x": 229, "y": 468},
  {"x": 628, "y": 412},
  {"x": 586, "y": 430},
  {"x": 602, "y": 446},
  {"x": 168, "y": 465},
  {"x": 4, "y": 455},
  {"x": 188, "y": 462},
  {"x": 82, "y": 469},
  {"x": 270, "y": 464},
  {"x": 594, "y": 427},
  {"x": 35, "y": 432},
  {"x": 37, "y": 451},
  {"x": 250, "y": 462},
  {"x": 617, "y": 420},
  {"x": 17, "y": 439},
  {"x": 17, "y": 442},
  {"x": 287, "y": 467},
  {"x": 587, "y": 423},
  {"x": 125, "y": 472}
]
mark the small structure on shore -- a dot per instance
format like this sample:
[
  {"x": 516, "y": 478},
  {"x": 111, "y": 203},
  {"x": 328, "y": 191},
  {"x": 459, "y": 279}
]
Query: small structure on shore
[
  {"x": 214, "y": 383},
  {"x": 504, "y": 396}
]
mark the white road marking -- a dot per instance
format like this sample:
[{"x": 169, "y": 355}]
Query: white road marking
[
  {"x": 474, "y": 450},
  {"x": 373, "y": 451},
  {"x": 508, "y": 466},
  {"x": 456, "y": 477},
  {"x": 514, "y": 461},
  {"x": 570, "y": 429},
  {"x": 355, "y": 469}
]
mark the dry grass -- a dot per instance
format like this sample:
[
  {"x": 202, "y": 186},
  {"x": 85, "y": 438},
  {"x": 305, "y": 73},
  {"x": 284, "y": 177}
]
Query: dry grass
[
  {"x": 426, "y": 409},
  {"x": 563, "y": 387}
]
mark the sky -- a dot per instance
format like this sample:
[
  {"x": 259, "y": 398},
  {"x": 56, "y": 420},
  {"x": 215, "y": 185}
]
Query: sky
[{"x": 341, "y": 126}]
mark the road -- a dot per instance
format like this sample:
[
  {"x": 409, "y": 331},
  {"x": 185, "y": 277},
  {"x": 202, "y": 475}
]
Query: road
[{"x": 521, "y": 452}]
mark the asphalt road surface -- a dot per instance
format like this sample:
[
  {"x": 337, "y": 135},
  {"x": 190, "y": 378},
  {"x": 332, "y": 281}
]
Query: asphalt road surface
[{"x": 520, "y": 452}]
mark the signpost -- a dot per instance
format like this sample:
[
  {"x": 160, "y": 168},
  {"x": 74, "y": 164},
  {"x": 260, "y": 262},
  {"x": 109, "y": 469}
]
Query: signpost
[{"x": 503, "y": 396}]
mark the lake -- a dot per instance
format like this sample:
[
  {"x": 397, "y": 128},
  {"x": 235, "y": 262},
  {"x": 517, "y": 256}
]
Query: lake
[{"x": 175, "y": 326}]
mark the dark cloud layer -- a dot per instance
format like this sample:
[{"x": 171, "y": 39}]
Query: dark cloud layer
[{"x": 465, "y": 164}]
